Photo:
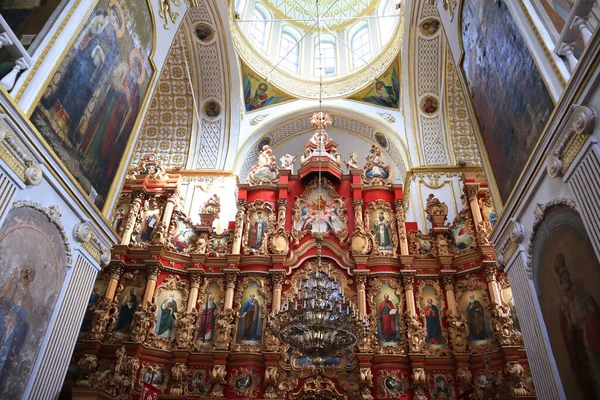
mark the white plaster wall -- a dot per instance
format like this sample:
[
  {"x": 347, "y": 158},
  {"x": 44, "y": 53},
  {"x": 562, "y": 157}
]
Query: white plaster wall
[
  {"x": 50, "y": 193},
  {"x": 452, "y": 29}
]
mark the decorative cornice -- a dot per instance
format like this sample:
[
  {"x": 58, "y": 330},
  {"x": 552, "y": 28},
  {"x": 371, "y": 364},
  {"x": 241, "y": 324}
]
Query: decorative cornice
[
  {"x": 13, "y": 152},
  {"x": 581, "y": 121},
  {"x": 510, "y": 244},
  {"x": 84, "y": 234}
]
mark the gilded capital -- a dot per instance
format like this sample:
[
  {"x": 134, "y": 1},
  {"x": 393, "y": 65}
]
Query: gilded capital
[
  {"x": 448, "y": 281},
  {"x": 277, "y": 279},
  {"x": 196, "y": 278},
  {"x": 490, "y": 269},
  {"x": 361, "y": 280},
  {"x": 231, "y": 279},
  {"x": 408, "y": 281},
  {"x": 282, "y": 203},
  {"x": 471, "y": 191},
  {"x": 116, "y": 270},
  {"x": 152, "y": 272},
  {"x": 358, "y": 203},
  {"x": 173, "y": 197}
]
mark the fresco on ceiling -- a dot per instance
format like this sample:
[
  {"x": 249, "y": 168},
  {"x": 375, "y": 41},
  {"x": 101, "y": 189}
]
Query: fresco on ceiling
[
  {"x": 204, "y": 32},
  {"x": 385, "y": 91},
  {"x": 34, "y": 265},
  {"x": 508, "y": 93},
  {"x": 430, "y": 26},
  {"x": 88, "y": 111},
  {"x": 429, "y": 105},
  {"x": 212, "y": 109},
  {"x": 258, "y": 93},
  {"x": 567, "y": 276}
]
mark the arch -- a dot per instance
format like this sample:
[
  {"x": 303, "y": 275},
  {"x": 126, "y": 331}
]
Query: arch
[
  {"x": 385, "y": 24},
  {"x": 360, "y": 44},
  {"x": 290, "y": 49},
  {"x": 260, "y": 26},
  {"x": 297, "y": 123},
  {"x": 325, "y": 49},
  {"x": 566, "y": 273}
]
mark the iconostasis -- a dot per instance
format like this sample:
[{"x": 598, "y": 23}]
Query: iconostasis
[{"x": 188, "y": 302}]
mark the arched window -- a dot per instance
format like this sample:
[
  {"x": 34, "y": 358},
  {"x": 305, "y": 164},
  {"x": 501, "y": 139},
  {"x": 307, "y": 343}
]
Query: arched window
[
  {"x": 289, "y": 49},
  {"x": 258, "y": 30},
  {"x": 360, "y": 44},
  {"x": 388, "y": 20},
  {"x": 325, "y": 56}
]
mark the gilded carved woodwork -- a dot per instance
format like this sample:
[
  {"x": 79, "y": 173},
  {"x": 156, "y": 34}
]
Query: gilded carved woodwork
[
  {"x": 244, "y": 382},
  {"x": 265, "y": 172},
  {"x": 260, "y": 215},
  {"x": 436, "y": 211},
  {"x": 372, "y": 221},
  {"x": 375, "y": 285},
  {"x": 375, "y": 172},
  {"x": 265, "y": 292},
  {"x": 303, "y": 210}
]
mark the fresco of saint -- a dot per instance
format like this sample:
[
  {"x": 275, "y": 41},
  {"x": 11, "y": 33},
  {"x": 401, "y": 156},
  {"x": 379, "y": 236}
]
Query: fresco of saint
[
  {"x": 476, "y": 317},
  {"x": 580, "y": 329},
  {"x": 88, "y": 110},
  {"x": 383, "y": 233},
  {"x": 258, "y": 228},
  {"x": 250, "y": 317},
  {"x": 432, "y": 321},
  {"x": 166, "y": 317},
  {"x": 13, "y": 314}
]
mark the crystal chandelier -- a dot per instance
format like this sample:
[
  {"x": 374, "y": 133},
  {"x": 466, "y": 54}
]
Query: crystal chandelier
[{"x": 319, "y": 321}]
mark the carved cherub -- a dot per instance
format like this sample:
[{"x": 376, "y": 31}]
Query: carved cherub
[
  {"x": 352, "y": 163},
  {"x": 287, "y": 162}
]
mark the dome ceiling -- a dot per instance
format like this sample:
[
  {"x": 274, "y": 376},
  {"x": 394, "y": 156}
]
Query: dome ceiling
[{"x": 258, "y": 26}]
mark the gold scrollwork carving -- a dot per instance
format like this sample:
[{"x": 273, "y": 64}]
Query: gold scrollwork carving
[
  {"x": 336, "y": 200},
  {"x": 267, "y": 212},
  {"x": 372, "y": 208}
]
